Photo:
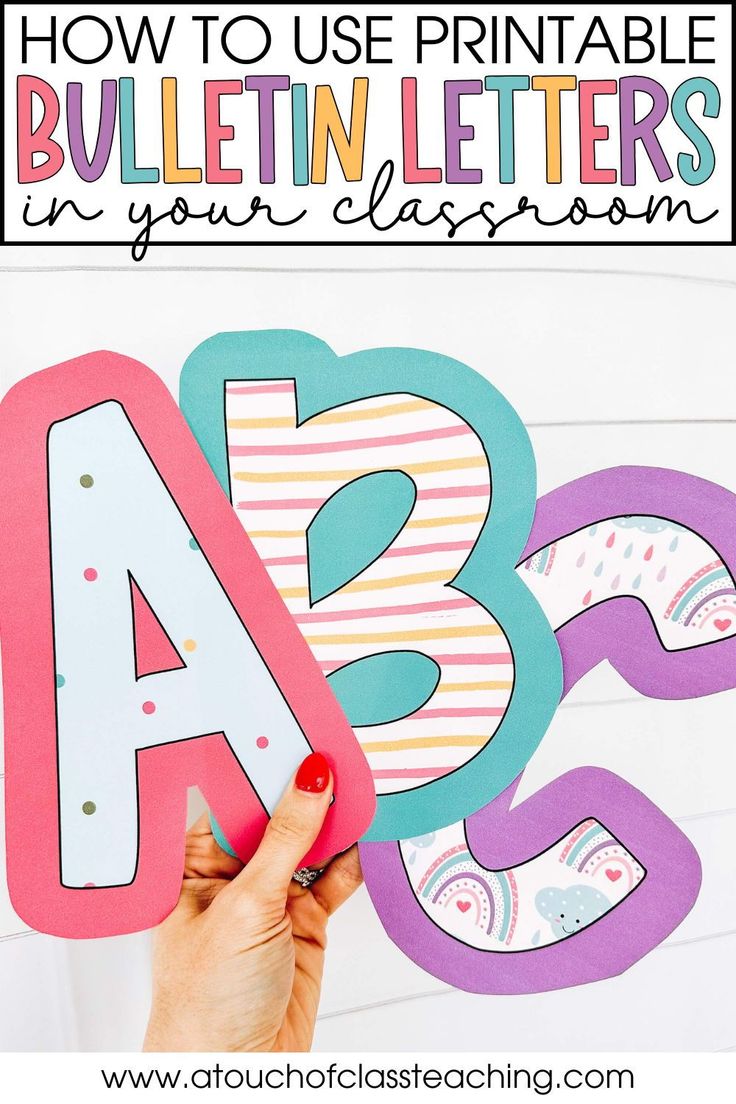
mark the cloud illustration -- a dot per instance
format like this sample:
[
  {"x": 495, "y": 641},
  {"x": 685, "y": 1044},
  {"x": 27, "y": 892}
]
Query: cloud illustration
[{"x": 570, "y": 910}]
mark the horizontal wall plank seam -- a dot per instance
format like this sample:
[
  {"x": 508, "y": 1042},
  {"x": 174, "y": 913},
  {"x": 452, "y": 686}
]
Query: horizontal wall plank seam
[
  {"x": 706, "y": 281},
  {"x": 613, "y": 422},
  {"x": 450, "y": 990}
]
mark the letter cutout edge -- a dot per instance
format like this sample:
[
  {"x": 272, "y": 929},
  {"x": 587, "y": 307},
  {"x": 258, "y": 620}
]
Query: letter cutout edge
[
  {"x": 32, "y": 810},
  {"x": 502, "y": 837},
  {"x": 325, "y": 381}
]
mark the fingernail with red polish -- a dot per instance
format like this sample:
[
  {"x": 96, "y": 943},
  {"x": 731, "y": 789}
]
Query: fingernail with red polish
[{"x": 313, "y": 775}]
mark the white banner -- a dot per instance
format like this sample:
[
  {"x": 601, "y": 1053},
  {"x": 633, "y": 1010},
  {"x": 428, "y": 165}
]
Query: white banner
[
  {"x": 525, "y": 1076},
  {"x": 210, "y": 124}
]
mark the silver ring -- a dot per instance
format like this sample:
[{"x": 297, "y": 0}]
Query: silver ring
[{"x": 305, "y": 876}]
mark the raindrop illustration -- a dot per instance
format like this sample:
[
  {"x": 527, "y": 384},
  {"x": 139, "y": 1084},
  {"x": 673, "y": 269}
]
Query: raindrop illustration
[
  {"x": 649, "y": 552},
  {"x": 580, "y": 560},
  {"x": 599, "y": 570},
  {"x": 593, "y": 530},
  {"x": 674, "y": 543},
  {"x": 629, "y": 550},
  {"x": 636, "y": 583},
  {"x": 587, "y": 598},
  {"x": 661, "y": 575},
  {"x": 616, "y": 581},
  {"x": 610, "y": 541}
]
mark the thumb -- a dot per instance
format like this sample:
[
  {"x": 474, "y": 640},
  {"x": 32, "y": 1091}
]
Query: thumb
[{"x": 293, "y": 828}]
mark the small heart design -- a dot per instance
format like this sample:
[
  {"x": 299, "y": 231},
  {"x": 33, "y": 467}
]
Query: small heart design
[
  {"x": 463, "y": 905},
  {"x": 722, "y": 623},
  {"x": 613, "y": 875}
]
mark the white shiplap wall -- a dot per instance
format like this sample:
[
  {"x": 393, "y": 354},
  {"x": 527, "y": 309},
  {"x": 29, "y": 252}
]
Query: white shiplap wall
[{"x": 648, "y": 355}]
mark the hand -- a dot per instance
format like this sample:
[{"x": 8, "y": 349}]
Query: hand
[{"x": 237, "y": 966}]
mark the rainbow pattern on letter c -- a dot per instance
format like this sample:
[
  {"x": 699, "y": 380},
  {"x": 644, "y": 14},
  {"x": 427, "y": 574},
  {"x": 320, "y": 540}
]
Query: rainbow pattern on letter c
[
  {"x": 495, "y": 896},
  {"x": 708, "y": 593},
  {"x": 499, "y": 910},
  {"x": 592, "y": 850}
]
